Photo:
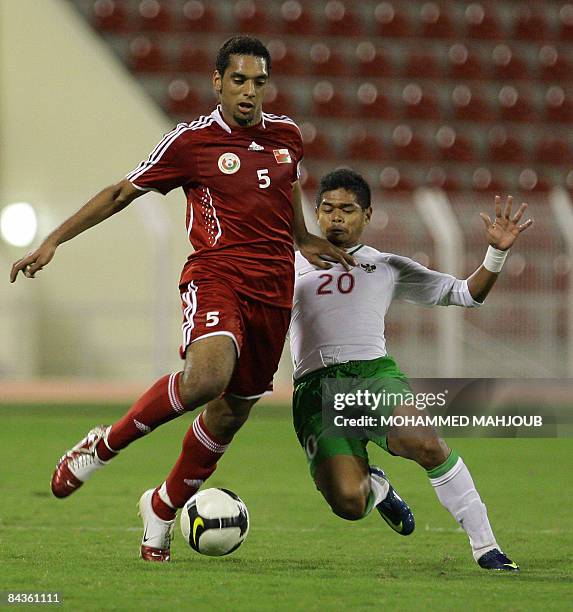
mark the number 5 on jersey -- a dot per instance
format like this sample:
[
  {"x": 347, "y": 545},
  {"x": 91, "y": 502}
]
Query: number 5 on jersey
[
  {"x": 264, "y": 178},
  {"x": 212, "y": 318}
]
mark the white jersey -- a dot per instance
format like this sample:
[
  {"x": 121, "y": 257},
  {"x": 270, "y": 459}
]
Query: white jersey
[{"x": 338, "y": 316}]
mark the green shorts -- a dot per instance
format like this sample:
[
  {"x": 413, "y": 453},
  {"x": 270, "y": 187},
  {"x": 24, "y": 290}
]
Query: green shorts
[{"x": 307, "y": 408}]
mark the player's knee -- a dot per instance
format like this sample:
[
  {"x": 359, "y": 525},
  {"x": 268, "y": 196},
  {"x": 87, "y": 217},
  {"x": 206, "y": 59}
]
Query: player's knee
[
  {"x": 349, "y": 504},
  {"x": 196, "y": 391}
]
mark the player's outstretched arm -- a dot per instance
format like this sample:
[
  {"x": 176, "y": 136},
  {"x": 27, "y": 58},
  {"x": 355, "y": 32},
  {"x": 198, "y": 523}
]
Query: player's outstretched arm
[
  {"x": 106, "y": 203},
  {"x": 501, "y": 234},
  {"x": 316, "y": 250}
]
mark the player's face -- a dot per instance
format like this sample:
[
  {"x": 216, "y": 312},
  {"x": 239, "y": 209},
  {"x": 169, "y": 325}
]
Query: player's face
[
  {"x": 340, "y": 218},
  {"x": 241, "y": 89}
]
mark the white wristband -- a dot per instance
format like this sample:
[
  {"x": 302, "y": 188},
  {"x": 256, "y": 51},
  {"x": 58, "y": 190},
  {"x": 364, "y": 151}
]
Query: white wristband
[{"x": 494, "y": 259}]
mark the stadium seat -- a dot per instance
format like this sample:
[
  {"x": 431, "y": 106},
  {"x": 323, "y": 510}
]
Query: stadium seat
[
  {"x": 327, "y": 101},
  {"x": 340, "y": 19},
  {"x": 198, "y": 17},
  {"x": 324, "y": 60},
  {"x": 452, "y": 146},
  {"x": 391, "y": 179},
  {"x": 295, "y": 19},
  {"x": 390, "y": 21},
  {"x": 192, "y": 58},
  {"x": 439, "y": 178},
  {"x": 554, "y": 66},
  {"x": 464, "y": 64},
  {"x": 110, "y": 16},
  {"x": 371, "y": 104},
  {"x": 530, "y": 25},
  {"x": 507, "y": 65},
  {"x": 182, "y": 102},
  {"x": 278, "y": 101},
  {"x": 144, "y": 55},
  {"x": 373, "y": 62},
  {"x": 435, "y": 22},
  {"x": 554, "y": 151},
  {"x": 421, "y": 65},
  {"x": 363, "y": 145},
  {"x": 483, "y": 181},
  {"x": 515, "y": 105},
  {"x": 469, "y": 105},
  {"x": 250, "y": 17},
  {"x": 316, "y": 144},
  {"x": 530, "y": 181},
  {"x": 503, "y": 147},
  {"x": 419, "y": 104},
  {"x": 558, "y": 105},
  {"x": 482, "y": 22},
  {"x": 285, "y": 59},
  {"x": 408, "y": 146},
  {"x": 566, "y": 23},
  {"x": 154, "y": 16}
]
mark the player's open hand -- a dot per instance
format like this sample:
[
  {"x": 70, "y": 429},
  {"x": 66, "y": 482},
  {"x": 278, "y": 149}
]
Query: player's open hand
[
  {"x": 502, "y": 232},
  {"x": 319, "y": 252},
  {"x": 34, "y": 261}
]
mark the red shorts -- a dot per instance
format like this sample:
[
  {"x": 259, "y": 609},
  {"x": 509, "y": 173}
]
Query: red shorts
[{"x": 212, "y": 308}]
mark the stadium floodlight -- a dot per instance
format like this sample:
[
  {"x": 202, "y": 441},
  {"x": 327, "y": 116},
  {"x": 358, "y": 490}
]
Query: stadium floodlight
[{"x": 18, "y": 224}]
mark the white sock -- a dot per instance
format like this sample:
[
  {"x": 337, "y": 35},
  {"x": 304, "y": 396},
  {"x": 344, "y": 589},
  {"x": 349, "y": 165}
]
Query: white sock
[
  {"x": 164, "y": 496},
  {"x": 457, "y": 493},
  {"x": 379, "y": 489}
]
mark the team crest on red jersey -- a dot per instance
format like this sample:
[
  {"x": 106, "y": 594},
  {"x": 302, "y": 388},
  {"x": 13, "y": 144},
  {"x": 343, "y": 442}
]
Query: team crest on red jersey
[
  {"x": 282, "y": 156},
  {"x": 229, "y": 163}
]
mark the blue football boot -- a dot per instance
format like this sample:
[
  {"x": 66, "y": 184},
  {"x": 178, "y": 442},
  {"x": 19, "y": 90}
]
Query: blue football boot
[
  {"x": 393, "y": 509},
  {"x": 496, "y": 560}
]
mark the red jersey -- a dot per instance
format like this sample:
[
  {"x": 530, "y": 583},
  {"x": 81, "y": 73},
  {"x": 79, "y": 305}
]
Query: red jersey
[{"x": 238, "y": 184}]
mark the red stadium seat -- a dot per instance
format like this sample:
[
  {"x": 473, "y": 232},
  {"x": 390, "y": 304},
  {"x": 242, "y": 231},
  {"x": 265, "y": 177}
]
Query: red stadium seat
[
  {"x": 452, "y": 146},
  {"x": 327, "y": 101},
  {"x": 408, "y": 146},
  {"x": 566, "y": 23},
  {"x": 507, "y": 65},
  {"x": 110, "y": 16},
  {"x": 154, "y": 16},
  {"x": 419, "y": 104},
  {"x": 285, "y": 59},
  {"x": 554, "y": 151},
  {"x": 327, "y": 61},
  {"x": 515, "y": 105},
  {"x": 392, "y": 180},
  {"x": 145, "y": 56},
  {"x": 316, "y": 144},
  {"x": 191, "y": 58},
  {"x": 372, "y": 104},
  {"x": 363, "y": 145},
  {"x": 483, "y": 181},
  {"x": 372, "y": 62},
  {"x": 554, "y": 66},
  {"x": 469, "y": 105},
  {"x": 435, "y": 22},
  {"x": 558, "y": 105},
  {"x": 439, "y": 178},
  {"x": 463, "y": 64},
  {"x": 390, "y": 21},
  {"x": 530, "y": 25},
  {"x": 530, "y": 182},
  {"x": 198, "y": 17},
  {"x": 250, "y": 17},
  {"x": 340, "y": 20},
  {"x": 182, "y": 101},
  {"x": 482, "y": 22},
  {"x": 421, "y": 65},
  {"x": 295, "y": 19},
  {"x": 278, "y": 101},
  {"x": 504, "y": 148}
]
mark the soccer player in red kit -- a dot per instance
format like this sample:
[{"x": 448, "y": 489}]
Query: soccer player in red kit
[{"x": 238, "y": 168}]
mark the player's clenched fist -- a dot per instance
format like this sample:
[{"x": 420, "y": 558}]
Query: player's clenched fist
[{"x": 34, "y": 261}]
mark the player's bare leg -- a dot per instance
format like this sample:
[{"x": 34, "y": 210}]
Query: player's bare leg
[
  {"x": 352, "y": 488},
  {"x": 453, "y": 485},
  {"x": 209, "y": 365}
]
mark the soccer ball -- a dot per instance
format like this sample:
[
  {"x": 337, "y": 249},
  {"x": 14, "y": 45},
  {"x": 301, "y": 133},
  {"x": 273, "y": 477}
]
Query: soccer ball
[{"x": 215, "y": 522}]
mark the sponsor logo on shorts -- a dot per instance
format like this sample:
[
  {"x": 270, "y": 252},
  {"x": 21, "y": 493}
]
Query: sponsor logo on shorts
[{"x": 229, "y": 163}]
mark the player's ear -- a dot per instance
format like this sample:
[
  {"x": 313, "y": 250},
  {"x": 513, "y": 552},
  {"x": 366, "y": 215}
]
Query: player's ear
[
  {"x": 217, "y": 81},
  {"x": 368, "y": 215}
]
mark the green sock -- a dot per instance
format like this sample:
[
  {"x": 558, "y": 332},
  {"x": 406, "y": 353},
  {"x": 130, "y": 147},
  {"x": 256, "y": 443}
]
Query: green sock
[{"x": 441, "y": 469}]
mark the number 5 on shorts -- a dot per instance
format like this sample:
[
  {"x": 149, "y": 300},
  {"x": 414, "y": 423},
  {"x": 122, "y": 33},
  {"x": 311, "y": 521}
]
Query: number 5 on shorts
[{"x": 212, "y": 318}]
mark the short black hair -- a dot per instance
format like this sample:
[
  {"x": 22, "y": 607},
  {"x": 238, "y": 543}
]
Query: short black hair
[
  {"x": 241, "y": 45},
  {"x": 345, "y": 178}
]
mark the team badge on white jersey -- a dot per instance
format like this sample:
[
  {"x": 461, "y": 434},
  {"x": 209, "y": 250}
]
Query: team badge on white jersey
[
  {"x": 229, "y": 163},
  {"x": 255, "y": 147},
  {"x": 282, "y": 156}
]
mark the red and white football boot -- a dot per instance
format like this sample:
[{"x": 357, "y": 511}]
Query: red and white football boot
[{"x": 157, "y": 533}]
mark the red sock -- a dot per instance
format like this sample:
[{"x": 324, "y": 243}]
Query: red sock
[
  {"x": 197, "y": 461},
  {"x": 159, "y": 404}
]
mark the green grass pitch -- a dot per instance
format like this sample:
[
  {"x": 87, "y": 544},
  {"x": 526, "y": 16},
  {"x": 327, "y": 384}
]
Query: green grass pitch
[{"x": 298, "y": 555}]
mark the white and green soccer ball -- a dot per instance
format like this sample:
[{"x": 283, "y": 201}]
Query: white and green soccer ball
[{"x": 215, "y": 522}]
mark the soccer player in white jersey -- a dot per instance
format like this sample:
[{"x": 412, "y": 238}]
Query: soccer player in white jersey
[{"x": 337, "y": 331}]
